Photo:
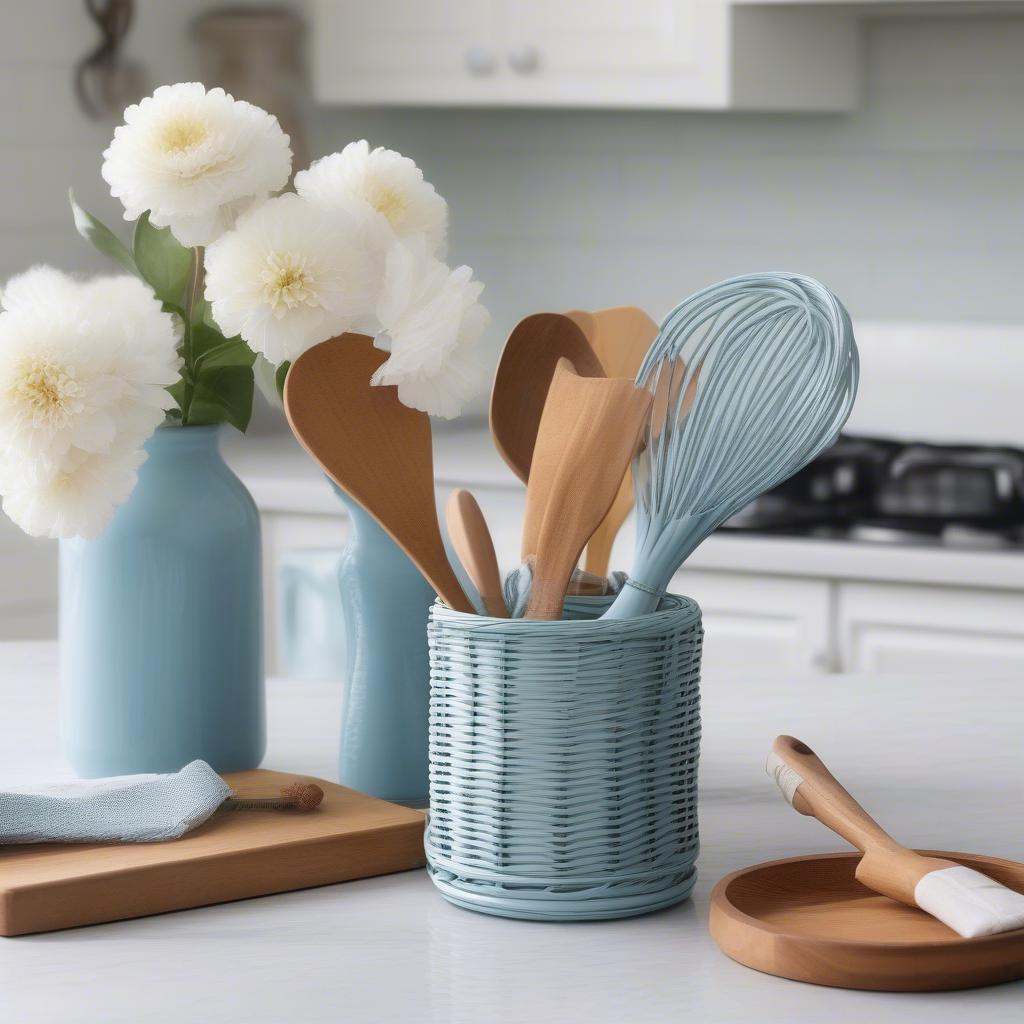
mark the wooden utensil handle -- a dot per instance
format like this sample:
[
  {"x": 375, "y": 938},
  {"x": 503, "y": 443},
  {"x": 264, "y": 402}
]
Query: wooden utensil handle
[
  {"x": 547, "y": 598},
  {"x": 599, "y": 547},
  {"x": 474, "y": 547},
  {"x": 814, "y": 791}
]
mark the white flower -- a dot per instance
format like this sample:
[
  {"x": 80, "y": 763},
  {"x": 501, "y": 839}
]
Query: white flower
[
  {"x": 195, "y": 160},
  {"x": 431, "y": 323},
  {"x": 290, "y": 275},
  {"x": 384, "y": 181},
  {"x": 82, "y": 365},
  {"x": 76, "y": 499},
  {"x": 84, "y": 368}
]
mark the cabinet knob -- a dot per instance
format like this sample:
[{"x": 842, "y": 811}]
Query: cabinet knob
[
  {"x": 523, "y": 59},
  {"x": 479, "y": 60}
]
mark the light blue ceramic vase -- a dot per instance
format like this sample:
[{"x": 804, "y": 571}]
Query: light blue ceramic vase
[
  {"x": 161, "y": 621},
  {"x": 387, "y": 680}
]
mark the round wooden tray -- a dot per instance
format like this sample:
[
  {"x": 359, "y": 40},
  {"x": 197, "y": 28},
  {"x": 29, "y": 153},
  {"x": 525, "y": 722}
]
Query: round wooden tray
[{"x": 809, "y": 919}]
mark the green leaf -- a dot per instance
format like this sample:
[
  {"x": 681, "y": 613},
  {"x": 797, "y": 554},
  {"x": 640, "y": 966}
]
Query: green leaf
[
  {"x": 163, "y": 261},
  {"x": 266, "y": 374},
  {"x": 223, "y": 394},
  {"x": 177, "y": 392},
  {"x": 100, "y": 236},
  {"x": 201, "y": 313},
  {"x": 210, "y": 348},
  {"x": 223, "y": 387},
  {"x": 282, "y": 373}
]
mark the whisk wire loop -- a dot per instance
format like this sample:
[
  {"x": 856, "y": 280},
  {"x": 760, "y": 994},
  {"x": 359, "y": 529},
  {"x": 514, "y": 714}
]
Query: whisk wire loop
[{"x": 752, "y": 377}]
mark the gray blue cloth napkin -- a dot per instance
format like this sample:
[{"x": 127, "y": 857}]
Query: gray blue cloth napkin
[{"x": 127, "y": 809}]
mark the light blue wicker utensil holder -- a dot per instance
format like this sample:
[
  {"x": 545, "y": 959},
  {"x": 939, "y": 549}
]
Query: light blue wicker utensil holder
[{"x": 563, "y": 761}]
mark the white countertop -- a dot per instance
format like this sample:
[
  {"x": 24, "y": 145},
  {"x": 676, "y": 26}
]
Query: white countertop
[
  {"x": 283, "y": 479},
  {"x": 940, "y": 762}
]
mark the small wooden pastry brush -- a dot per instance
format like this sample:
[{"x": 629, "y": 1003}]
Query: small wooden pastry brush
[
  {"x": 963, "y": 899},
  {"x": 299, "y": 796}
]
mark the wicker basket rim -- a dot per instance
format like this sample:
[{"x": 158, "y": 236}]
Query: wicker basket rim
[{"x": 676, "y": 612}]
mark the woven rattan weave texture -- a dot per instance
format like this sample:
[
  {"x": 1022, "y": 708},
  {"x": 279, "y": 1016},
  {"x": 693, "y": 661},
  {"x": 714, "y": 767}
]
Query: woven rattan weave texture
[{"x": 563, "y": 761}]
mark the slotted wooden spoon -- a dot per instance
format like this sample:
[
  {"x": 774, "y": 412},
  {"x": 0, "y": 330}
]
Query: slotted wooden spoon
[
  {"x": 620, "y": 336},
  {"x": 471, "y": 539},
  {"x": 524, "y": 374},
  {"x": 588, "y": 434},
  {"x": 374, "y": 448}
]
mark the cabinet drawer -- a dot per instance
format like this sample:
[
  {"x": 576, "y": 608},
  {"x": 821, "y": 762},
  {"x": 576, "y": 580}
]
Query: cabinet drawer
[
  {"x": 945, "y": 630},
  {"x": 763, "y": 623}
]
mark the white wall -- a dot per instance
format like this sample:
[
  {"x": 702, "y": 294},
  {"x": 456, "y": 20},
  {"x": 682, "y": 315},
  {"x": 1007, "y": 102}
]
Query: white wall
[
  {"x": 46, "y": 144},
  {"x": 909, "y": 208}
]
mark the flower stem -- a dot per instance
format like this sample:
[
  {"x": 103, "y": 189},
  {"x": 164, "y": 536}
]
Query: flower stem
[{"x": 195, "y": 291}]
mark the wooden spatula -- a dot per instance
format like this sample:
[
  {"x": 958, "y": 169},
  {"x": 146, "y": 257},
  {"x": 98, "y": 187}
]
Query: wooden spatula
[
  {"x": 521, "y": 383},
  {"x": 620, "y": 336},
  {"x": 374, "y": 448},
  {"x": 587, "y": 436},
  {"x": 471, "y": 539}
]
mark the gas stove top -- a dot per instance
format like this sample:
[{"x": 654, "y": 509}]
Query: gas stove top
[{"x": 888, "y": 492}]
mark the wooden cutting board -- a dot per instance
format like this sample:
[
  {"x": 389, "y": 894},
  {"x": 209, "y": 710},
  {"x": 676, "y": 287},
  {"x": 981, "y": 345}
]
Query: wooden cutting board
[
  {"x": 234, "y": 855},
  {"x": 809, "y": 919}
]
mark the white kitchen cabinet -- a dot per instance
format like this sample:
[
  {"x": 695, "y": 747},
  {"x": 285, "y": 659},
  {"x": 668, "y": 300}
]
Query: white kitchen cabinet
[
  {"x": 966, "y": 631},
  {"x": 752, "y": 621},
  {"x": 786, "y": 604},
  {"x": 378, "y": 50},
  {"x": 566, "y": 52},
  {"x": 761, "y": 623},
  {"x": 696, "y": 54},
  {"x": 757, "y": 621},
  {"x": 282, "y": 533}
]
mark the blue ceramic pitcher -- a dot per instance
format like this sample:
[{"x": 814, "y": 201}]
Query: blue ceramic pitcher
[
  {"x": 387, "y": 679},
  {"x": 161, "y": 621}
]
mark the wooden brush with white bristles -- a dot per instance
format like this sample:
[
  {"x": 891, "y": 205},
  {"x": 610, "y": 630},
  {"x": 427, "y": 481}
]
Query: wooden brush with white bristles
[
  {"x": 970, "y": 903},
  {"x": 299, "y": 796}
]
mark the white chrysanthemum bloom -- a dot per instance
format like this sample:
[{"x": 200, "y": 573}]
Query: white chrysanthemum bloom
[
  {"x": 76, "y": 499},
  {"x": 83, "y": 365},
  {"x": 195, "y": 160},
  {"x": 386, "y": 182},
  {"x": 431, "y": 324},
  {"x": 291, "y": 274}
]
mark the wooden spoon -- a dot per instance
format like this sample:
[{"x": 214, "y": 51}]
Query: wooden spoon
[
  {"x": 374, "y": 448},
  {"x": 521, "y": 383},
  {"x": 471, "y": 539},
  {"x": 620, "y": 336},
  {"x": 587, "y": 436}
]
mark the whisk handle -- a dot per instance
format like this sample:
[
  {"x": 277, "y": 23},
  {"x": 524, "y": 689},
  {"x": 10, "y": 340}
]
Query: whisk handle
[{"x": 632, "y": 601}]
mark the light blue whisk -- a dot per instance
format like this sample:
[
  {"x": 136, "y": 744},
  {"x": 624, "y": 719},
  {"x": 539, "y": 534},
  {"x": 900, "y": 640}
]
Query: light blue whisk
[{"x": 752, "y": 378}]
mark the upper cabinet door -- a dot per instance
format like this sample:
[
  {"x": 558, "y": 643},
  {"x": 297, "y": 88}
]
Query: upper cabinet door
[
  {"x": 603, "y": 53},
  {"x": 402, "y": 51}
]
